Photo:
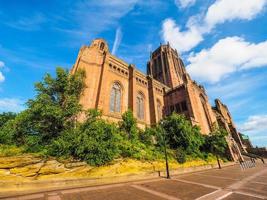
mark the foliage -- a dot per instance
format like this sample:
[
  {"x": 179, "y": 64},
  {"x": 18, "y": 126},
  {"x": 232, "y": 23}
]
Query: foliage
[
  {"x": 137, "y": 144},
  {"x": 129, "y": 125},
  {"x": 56, "y": 106},
  {"x": 6, "y": 132},
  {"x": 181, "y": 134},
  {"x": 94, "y": 141},
  {"x": 180, "y": 155},
  {"x": 15, "y": 131},
  {"x": 148, "y": 136},
  {"x": 98, "y": 142},
  {"x": 5, "y": 117},
  {"x": 216, "y": 142},
  {"x": 53, "y": 111}
]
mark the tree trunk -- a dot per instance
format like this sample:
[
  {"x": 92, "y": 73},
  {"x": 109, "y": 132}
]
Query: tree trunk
[{"x": 218, "y": 161}]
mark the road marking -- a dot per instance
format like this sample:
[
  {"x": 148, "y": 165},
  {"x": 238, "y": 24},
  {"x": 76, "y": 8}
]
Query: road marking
[
  {"x": 238, "y": 184},
  {"x": 201, "y": 184},
  {"x": 213, "y": 195},
  {"x": 221, "y": 194},
  {"x": 203, "y": 197},
  {"x": 148, "y": 181},
  {"x": 224, "y": 196},
  {"x": 165, "y": 196},
  {"x": 91, "y": 188},
  {"x": 251, "y": 195},
  {"x": 234, "y": 179}
]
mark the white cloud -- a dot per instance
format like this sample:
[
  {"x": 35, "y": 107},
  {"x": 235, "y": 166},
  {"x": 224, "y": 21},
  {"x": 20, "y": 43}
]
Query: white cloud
[
  {"x": 255, "y": 127},
  {"x": 184, "y": 3},
  {"x": 182, "y": 41},
  {"x": 11, "y": 105},
  {"x": 2, "y": 78},
  {"x": 117, "y": 40},
  {"x": 227, "y": 56},
  {"x": 219, "y": 12},
  {"x": 254, "y": 123},
  {"x": 227, "y": 10}
]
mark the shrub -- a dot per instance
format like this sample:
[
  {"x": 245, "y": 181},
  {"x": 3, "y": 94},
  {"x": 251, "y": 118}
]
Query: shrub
[
  {"x": 94, "y": 141},
  {"x": 97, "y": 143},
  {"x": 128, "y": 125},
  {"x": 148, "y": 136},
  {"x": 33, "y": 143},
  {"x": 181, "y": 134},
  {"x": 180, "y": 155},
  {"x": 5, "y": 117},
  {"x": 7, "y": 133}
]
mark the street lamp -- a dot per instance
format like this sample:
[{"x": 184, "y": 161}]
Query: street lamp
[{"x": 165, "y": 151}]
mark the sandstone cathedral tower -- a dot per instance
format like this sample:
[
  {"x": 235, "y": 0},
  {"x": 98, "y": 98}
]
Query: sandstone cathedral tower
[{"x": 114, "y": 86}]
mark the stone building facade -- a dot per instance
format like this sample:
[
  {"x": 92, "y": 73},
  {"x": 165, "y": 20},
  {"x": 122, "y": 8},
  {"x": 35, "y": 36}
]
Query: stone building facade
[
  {"x": 225, "y": 120},
  {"x": 115, "y": 86}
]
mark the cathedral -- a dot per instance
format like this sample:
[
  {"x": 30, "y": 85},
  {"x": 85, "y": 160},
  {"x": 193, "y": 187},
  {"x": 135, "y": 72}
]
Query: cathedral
[{"x": 114, "y": 86}]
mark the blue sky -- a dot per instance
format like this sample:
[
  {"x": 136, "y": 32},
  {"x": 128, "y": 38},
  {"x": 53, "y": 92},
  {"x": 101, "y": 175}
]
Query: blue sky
[{"x": 222, "y": 42}]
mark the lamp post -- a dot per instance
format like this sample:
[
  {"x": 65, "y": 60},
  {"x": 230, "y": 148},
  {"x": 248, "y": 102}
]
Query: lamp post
[{"x": 165, "y": 151}]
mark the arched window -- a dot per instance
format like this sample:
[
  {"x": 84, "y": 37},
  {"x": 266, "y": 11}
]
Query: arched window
[
  {"x": 140, "y": 106},
  {"x": 102, "y": 45},
  {"x": 159, "y": 110},
  {"x": 115, "y": 98}
]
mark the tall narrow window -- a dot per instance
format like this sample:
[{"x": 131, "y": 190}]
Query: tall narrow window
[
  {"x": 115, "y": 98},
  {"x": 159, "y": 110},
  {"x": 177, "y": 108},
  {"x": 140, "y": 106},
  {"x": 102, "y": 45},
  {"x": 184, "y": 106}
]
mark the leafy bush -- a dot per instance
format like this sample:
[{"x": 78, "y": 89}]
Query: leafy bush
[
  {"x": 148, "y": 136},
  {"x": 65, "y": 144},
  {"x": 7, "y": 132},
  {"x": 94, "y": 141},
  {"x": 128, "y": 125},
  {"x": 180, "y": 155},
  {"x": 181, "y": 134},
  {"x": 6, "y": 116},
  {"x": 216, "y": 142},
  {"x": 98, "y": 143},
  {"x": 33, "y": 143}
]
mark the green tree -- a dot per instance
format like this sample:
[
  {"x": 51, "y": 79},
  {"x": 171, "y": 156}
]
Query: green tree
[
  {"x": 15, "y": 130},
  {"x": 94, "y": 141},
  {"x": 56, "y": 105},
  {"x": 148, "y": 136},
  {"x": 53, "y": 111},
  {"x": 129, "y": 125},
  {"x": 181, "y": 134},
  {"x": 216, "y": 143},
  {"x": 5, "y": 117}
]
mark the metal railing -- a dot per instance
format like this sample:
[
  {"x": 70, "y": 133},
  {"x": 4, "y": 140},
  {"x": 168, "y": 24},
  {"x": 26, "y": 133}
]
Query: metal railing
[{"x": 247, "y": 164}]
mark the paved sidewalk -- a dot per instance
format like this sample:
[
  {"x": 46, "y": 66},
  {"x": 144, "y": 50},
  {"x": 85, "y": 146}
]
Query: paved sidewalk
[{"x": 229, "y": 183}]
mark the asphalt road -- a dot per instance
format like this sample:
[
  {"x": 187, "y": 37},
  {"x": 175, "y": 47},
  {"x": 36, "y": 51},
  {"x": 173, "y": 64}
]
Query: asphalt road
[{"x": 229, "y": 183}]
